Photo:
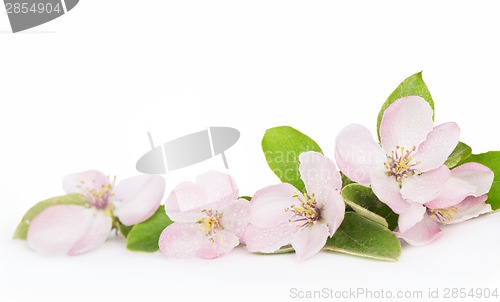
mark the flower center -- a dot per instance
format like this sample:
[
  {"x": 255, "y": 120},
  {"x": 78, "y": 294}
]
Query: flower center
[
  {"x": 307, "y": 213},
  {"x": 400, "y": 163},
  {"x": 99, "y": 198},
  {"x": 443, "y": 215},
  {"x": 210, "y": 224}
]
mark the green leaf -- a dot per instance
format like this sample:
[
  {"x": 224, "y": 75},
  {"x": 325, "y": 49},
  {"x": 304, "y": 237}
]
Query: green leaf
[
  {"x": 22, "y": 228},
  {"x": 360, "y": 236},
  {"x": 345, "y": 180},
  {"x": 362, "y": 200},
  {"x": 461, "y": 152},
  {"x": 287, "y": 249},
  {"x": 413, "y": 85},
  {"x": 282, "y": 147},
  {"x": 144, "y": 236},
  {"x": 123, "y": 229},
  {"x": 246, "y": 197},
  {"x": 491, "y": 160}
]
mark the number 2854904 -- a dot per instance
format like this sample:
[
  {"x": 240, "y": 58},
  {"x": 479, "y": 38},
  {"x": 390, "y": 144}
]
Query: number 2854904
[{"x": 32, "y": 8}]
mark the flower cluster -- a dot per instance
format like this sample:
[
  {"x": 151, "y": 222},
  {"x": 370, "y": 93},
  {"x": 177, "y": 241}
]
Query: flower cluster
[
  {"x": 78, "y": 228},
  {"x": 416, "y": 179},
  {"x": 407, "y": 172}
]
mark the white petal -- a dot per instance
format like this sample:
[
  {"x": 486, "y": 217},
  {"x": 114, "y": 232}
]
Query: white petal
[
  {"x": 470, "y": 208},
  {"x": 268, "y": 240},
  {"x": 436, "y": 148},
  {"x": 387, "y": 190},
  {"x": 137, "y": 198},
  {"x": 413, "y": 215},
  {"x": 309, "y": 240},
  {"x": 405, "y": 123},
  {"x": 422, "y": 233},
  {"x": 181, "y": 240},
  {"x": 84, "y": 182},
  {"x": 95, "y": 236},
  {"x": 58, "y": 228},
  {"x": 189, "y": 193},
  {"x": 267, "y": 207},
  {"x": 476, "y": 175},
  {"x": 333, "y": 211},
  {"x": 319, "y": 174},
  {"x": 219, "y": 187},
  {"x": 210, "y": 191},
  {"x": 357, "y": 154},
  {"x": 223, "y": 243},
  {"x": 452, "y": 193},
  {"x": 235, "y": 216},
  {"x": 425, "y": 187}
]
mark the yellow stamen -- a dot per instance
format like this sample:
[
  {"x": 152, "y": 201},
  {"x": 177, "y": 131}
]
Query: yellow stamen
[
  {"x": 400, "y": 164},
  {"x": 210, "y": 224},
  {"x": 307, "y": 213},
  {"x": 443, "y": 215}
]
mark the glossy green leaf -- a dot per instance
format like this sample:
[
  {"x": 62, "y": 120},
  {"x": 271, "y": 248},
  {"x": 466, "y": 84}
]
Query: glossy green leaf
[
  {"x": 364, "y": 202},
  {"x": 491, "y": 160},
  {"x": 123, "y": 229},
  {"x": 345, "y": 180},
  {"x": 360, "y": 236},
  {"x": 246, "y": 197},
  {"x": 282, "y": 147},
  {"x": 413, "y": 85},
  {"x": 144, "y": 236},
  {"x": 461, "y": 153},
  {"x": 22, "y": 228}
]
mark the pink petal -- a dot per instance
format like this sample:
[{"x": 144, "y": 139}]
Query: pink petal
[
  {"x": 210, "y": 190},
  {"x": 422, "y": 233},
  {"x": 452, "y": 193},
  {"x": 309, "y": 240},
  {"x": 413, "y": 215},
  {"x": 268, "y": 240},
  {"x": 185, "y": 240},
  {"x": 319, "y": 174},
  {"x": 333, "y": 211},
  {"x": 235, "y": 217},
  {"x": 84, "y": 182},
  {"x": 471, "y": 207},
  {"x": 406, "y": 123},
  {"x": 357, "y": 154},
  {"x": 58, "y": 228},
  {"x": 475, "y": 174},
  {"x": 425, "y": 187},
  {"x": 189, "y": 192},
  {"x": 224, "y": 242},
  {"x": 387, "y": 190},
  {"x": 137, "y": 198},
  {"x": 181, "y": 240},
  {"x": 219, "y": 187},
  {"x": 267, "y": 208},
  {"x": 436, "y": 148},
  {"x": 95, "y": 236}
]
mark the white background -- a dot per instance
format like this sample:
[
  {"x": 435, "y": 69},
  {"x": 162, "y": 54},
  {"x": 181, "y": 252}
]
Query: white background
[{"x": 81, "y": 92}]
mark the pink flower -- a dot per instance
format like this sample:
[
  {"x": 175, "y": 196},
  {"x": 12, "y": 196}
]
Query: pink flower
[
  {"x": 73, "y": 229},
  {"x": 209, "y": 219},
  {"x": 407, "y": 171},
  {"x": 282, "y": 215}
]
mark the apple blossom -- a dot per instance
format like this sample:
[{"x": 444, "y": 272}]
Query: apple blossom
[
  {"x": 208, "y": 216},
  {"x": 73, "y": 229},
  {"x": 281, "y": 214},
  {"x": 407, "y": 172}
]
